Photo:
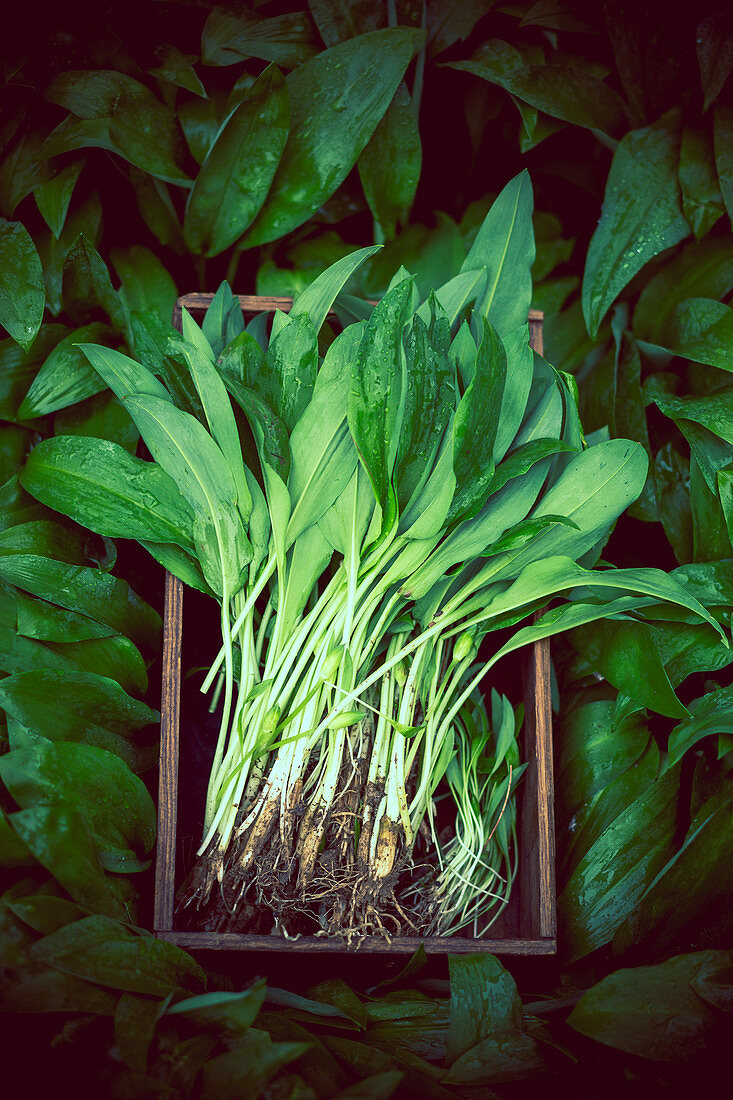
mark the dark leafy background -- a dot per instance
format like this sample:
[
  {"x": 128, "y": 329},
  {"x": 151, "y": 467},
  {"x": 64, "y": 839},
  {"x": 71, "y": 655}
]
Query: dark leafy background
[{"x": 623, "y": 114}]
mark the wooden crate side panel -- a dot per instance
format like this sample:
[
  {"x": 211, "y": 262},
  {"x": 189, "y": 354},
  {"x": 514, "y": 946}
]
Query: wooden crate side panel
[
  {"x": 537, "y": 822},
  {"x": 228, "y": 941},
  {"x": 536, "y": 902},
  {"x": 170, "y": 717}
]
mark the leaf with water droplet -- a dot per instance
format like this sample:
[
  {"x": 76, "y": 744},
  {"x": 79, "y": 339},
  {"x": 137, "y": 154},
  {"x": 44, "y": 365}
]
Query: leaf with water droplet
[
  {"x": 641, "y": 216},
  {"x": 22, "y": 294}
]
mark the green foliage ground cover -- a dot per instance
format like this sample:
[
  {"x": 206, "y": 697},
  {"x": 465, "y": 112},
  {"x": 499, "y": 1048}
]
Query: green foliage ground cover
[{"x": 136, "y": 164}]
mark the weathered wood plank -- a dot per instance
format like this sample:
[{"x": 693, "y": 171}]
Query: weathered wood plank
[
  {"x": 228, "y": 941},
  {"x": 170, "y": 716}
]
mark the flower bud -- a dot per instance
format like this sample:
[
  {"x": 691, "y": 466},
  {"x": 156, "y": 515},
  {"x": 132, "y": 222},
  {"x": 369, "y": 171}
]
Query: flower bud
[
  {"x": 332, "y": 663},
  {"x": 464, "y": 646},
  {"x": 400, "y": 673}
]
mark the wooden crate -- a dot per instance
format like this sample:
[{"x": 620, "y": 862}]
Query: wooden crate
[{"x": 526, "y": 927}]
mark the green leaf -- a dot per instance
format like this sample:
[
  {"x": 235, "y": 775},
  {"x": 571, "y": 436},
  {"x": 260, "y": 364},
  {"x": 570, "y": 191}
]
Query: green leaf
[
  {"x": 22, "y": 296},
  {"x": 702, "y": 203},
  {"x": 14, "y": 445},
  {"x": 115, "y": 804},
  {"x": 60, "y": 840},
  {"x": 157, "y": 210},
  {"x": 503, "y": 1056},
  {"x": 19, "y": 654},
  {"x": 430, "y": 255},
  {"x": 227, "y": 38},
  {"x": 39, "y": 619},
  {"x": 703, "y": 270},
  {"x": 686, "y": 648},
  {"x": 190, "y": 456},
  {"x": 709, "y": 715},
  {"x": 45, "y": 912},
  {"x": 47, "y": 538},
  {"x": 176, "y": 68},
  {"x": 504, "y": 245},
  {"x": 107, "y": 599},
  {"x": 702, "y": 330},
  {"x": 651, "y": 1011},
  {"x": 53, "y": 197},
  {"x": 17, "y": 505},
  {"x": 64, "y": 704},
  {"x": 270, "y": 433},
  {"x": 87, "y": 287},
  {"x": 159, "y": 348},
  {"x": 291, "y": 365},
  {"x": 600, "y": 482},
  {"x": 24, "y": 166},
  {"x": 352, "y": 83},
  {"x": 723, "y": 155},
  {"x": 451, "y": 21},
  {"x": 65, "y": 377},
  {"x": 14, "y": 852},
  {"x": 100, "y": 485},
  {"x": 483, "y": 1000},
  {"x": 672, "y": 480},
  {"x": 389, "y": 167},
  {"x": 44, "y": 990},
  {"x": 316, "y": 300},
  {"x": 124, "y": 375},
  {"x": 180, "y": 564},
  {"x": 201, "y": 120},
  {"x": 86, "y": 219},
  {"x": 429, "y": 401},
  {"x": 613, "y": 875},
  {"x": 239, "y": 168},
  {"x": 136, "y": 1020},
  {"x": 220, "y": 417},
  {"x": 99, "y": 417},
  {"x": 598, "y": 742},
  {"x": 561, "y": 91},
  {"x": 520, "y": 368},
  {"x": 323, "y": 460},
  {"x": 624, "y": 653},
  {"x": 227, "y": 1013},
  {"x": 247, "y": 1068},
  {"x": 714, "y": 55},
  {"x": 526, "y": 455},
  {"x": 641, "y": 217},
  {"x": 475, "y": 427},
  {"x": 710, "y": 539},
  {"x": 146, "y": 284},
  {"x": 714, "y": 416},
  {"x": 597, "y": 815},
  {"x": 335, "y": 991},
  {"x": 103, "y": 951},
  {"x": 120, "y": 114},
  {"x": 697, "y": 879},
  {"x": 376, "y": 396},
  {"x": 114, "y": 657}
]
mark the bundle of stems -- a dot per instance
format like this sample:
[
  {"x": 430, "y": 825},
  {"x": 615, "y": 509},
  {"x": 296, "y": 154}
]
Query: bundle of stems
[{"x": 367, "y": 510}]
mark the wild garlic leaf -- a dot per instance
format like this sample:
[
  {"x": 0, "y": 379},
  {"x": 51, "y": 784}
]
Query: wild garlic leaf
[
  {"x": 475, "y": 426},
  {"x": 98, "y": 484},
  {"x": 504, "y": 245},
  {"x": 377, "y": 395}
]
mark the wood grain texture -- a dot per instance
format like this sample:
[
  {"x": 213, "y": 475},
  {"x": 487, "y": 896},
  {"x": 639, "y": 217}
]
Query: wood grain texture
[
  {"x": 536, "y": 880},
  {"x": 251, "y": 303},
  {"x": 170, "y": 717},
  {"x": 536, "y": 317},
  {"x": 536, "y": 802},
  {"x": 228, "y": 941}
]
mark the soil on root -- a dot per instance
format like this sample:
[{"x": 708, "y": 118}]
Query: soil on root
[{"x": 339, "y": 900}]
